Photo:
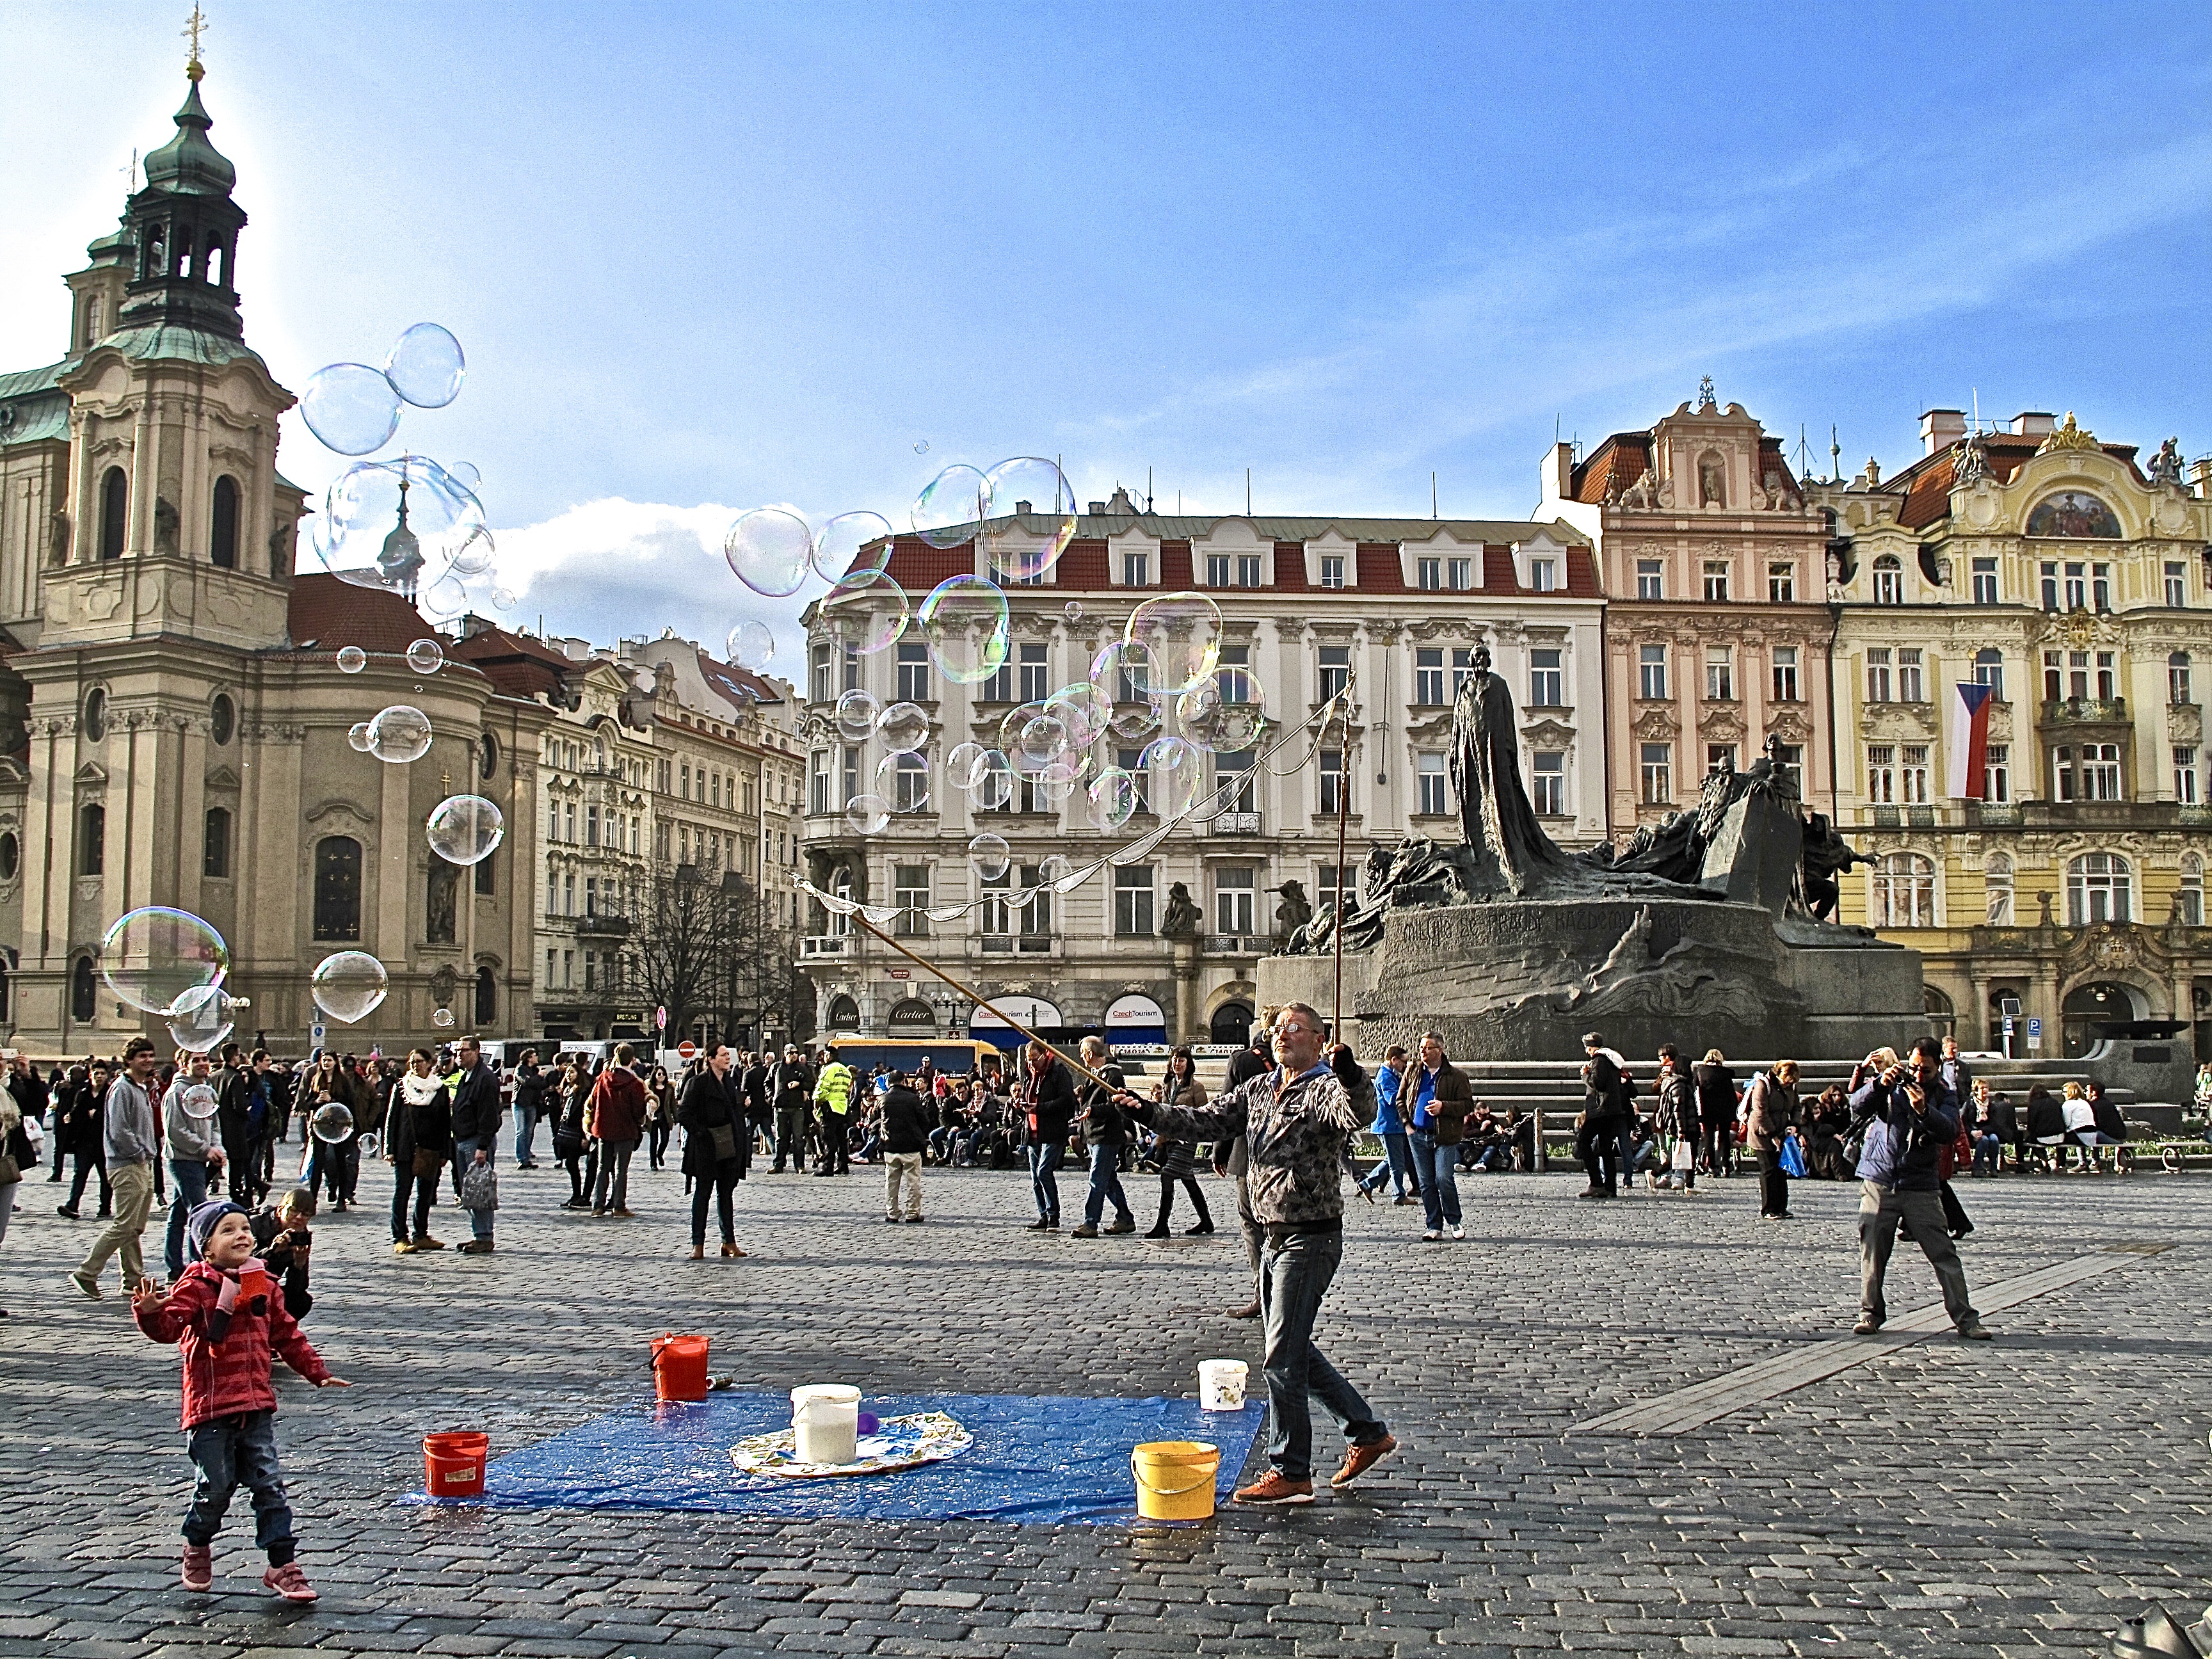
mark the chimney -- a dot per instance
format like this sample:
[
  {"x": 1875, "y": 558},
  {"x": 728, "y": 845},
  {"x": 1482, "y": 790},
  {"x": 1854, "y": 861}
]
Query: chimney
[
  {"x": 1098, "y": 509},
  {"x": 2035, "y": 422},
  {"x": 1940, "y": 428},
  {"x": 1559, "y": 480}
]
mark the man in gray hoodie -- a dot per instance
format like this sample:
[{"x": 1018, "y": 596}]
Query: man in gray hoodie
[
  {"x": 189, "y": 1138},
  {"x": 133, "y": 1141}
]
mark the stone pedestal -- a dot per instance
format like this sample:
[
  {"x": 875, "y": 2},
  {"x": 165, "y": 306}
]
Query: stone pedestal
[{"x": 1189, "y": 1002}]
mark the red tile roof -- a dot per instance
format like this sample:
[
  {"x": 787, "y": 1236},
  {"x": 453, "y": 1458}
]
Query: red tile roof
[
  {"x": 1175, "y": 566},
  {"x": 741, "y": 687},
  {"x": 516, "y": 664},
  {"x": 334, "y": 613},
  {"x": 1380, "y": 569},
  {"x": 1083, "y": 565},
  {"x": 1291, "y": 567},
  {"x": 1613, "y": 465},
  {"x": 1498, "y": 575},
  {"x": 1926, "y": 484},
  {"x": 1582, "y": 574},
  {"x": 917, "y": 567}
]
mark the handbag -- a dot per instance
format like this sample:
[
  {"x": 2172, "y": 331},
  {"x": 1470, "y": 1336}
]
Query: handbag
[
  {"x": 1685, "y": 1156},
  {"x": 427, "y": 1163},
  {"x": 11, "y": 1171},
  {"x": 1793, "y": 1158},
  {"x": 726, "y": 1141}
]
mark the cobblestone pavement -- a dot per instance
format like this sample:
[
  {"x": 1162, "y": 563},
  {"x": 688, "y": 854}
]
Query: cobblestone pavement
[{"x": 2016, "y": 1496}]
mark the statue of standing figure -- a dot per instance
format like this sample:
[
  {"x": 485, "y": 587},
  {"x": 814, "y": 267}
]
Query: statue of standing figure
[{"x": 1510, "y": 847}]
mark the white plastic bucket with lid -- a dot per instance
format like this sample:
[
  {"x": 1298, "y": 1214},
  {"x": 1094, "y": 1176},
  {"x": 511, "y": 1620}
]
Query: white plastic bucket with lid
[
  {"x": 1221, "y": 1385},
  {"x": 825, "y": 1423}
]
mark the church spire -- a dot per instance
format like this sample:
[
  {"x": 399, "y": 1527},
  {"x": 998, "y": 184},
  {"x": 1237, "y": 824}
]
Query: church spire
[{"x": 185, "y": 225}]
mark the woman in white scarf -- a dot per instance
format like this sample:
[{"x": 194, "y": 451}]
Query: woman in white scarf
[{"x": 418, "y": 1140}]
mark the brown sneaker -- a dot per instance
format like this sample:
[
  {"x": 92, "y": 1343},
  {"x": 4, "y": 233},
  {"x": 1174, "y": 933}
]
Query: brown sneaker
[
  {"x": 199, "y": 1566},
  {"x": 1272, "y": 1489},
  {"x": 1360, "y": 1459},
  {"x": 1249, "y": 1310},
  {"x": 288, "y": 1582}
]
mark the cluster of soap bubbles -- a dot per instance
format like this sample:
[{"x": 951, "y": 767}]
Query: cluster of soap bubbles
[
  {"x": 396, "y": 735},
  {"x": 354, "y": 409}
]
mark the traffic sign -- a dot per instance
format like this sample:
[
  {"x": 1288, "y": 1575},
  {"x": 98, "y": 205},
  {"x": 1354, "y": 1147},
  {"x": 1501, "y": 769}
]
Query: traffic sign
[
  {"x": 661, "y": 1019},
  {"x": 315, "y": 1032},
  {"x": 686, "y": 1049},
  {"x": 2035, "y": 1033},
  {"x": 2007, "y": 1024}
]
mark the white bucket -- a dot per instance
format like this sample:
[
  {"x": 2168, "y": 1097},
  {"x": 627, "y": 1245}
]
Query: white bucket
[
  {"x": 825, "y": 1423},
  {"x": 1221, "y": 1385}
]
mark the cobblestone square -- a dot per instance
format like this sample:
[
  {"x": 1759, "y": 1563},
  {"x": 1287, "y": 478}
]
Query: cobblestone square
[{"x": 1941, "y": 1498}]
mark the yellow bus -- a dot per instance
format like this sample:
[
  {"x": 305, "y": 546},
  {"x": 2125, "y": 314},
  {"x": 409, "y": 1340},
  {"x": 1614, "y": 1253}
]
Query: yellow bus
[{"x": 953, "y": 1056}]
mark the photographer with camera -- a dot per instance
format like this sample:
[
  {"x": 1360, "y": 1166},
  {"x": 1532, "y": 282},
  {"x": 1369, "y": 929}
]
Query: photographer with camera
[{"x": 1905, "y": 1117}]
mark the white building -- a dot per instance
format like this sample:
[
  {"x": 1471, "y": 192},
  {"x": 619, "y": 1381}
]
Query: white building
[{"x": 1399, "y": 604}]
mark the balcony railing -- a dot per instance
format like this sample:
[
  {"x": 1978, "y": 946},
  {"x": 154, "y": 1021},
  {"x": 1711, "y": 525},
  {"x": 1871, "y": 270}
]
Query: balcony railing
[
  {"x": 1234, "y": 823},
  {"x": 1234, "y": 944},
  {"x": 591, "y": 927},
  {"x": 2084, "y": 711},
  {"x": 1031, "y": 944},
  {"x": 816, "y": 945}
]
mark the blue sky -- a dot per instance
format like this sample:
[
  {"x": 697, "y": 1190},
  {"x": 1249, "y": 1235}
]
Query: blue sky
[{"x": 707, "y": 257}]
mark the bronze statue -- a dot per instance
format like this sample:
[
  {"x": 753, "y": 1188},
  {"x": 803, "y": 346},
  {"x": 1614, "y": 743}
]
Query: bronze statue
[
  {"x": 1180, "y": 919},
  {"x": 1294, "y": 912},
  {"x": 1510, "y": 848}
]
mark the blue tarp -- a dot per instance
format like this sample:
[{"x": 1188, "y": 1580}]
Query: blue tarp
[{"x": 1036, "y": 1460}]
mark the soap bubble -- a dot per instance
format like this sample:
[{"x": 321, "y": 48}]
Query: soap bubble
[
  {"x": 992, "y": 783},
  {"x": 357, "y": 735},
  {"x": 964, "y": 620},
  {"x": 368, "y": 1146},
  {"x": 751, "y": 645},
  {"x": 442, "y": 1018},
  {"x": 1074, "y": 877},
  {"x": 503, "y": 598},
  {"x": 151, "y": 957},
  {"x": 1028, "y": 509},
  {"x": 990, "y": 855},
  {"x": 399, "y": 734},
  {"x": 1050, "y": 868},
  {"x": 950, "y": 506},
  {"x": 1178, "y": 773},
  {"x": 200, "y": 1019},
  {"x": 465, "y": 828},
  {"x": 770, "y": 550},
  {"x": 1221, "y": 714},
  {"x": 197, "y": 1099},
  {"x": 867, "y": 815},
  {"x": 349, "y": 986},
  {"x": 1121, "y": 671},
  {"x": 425, "y": 367},
  {"x": 1134, "y": 721},
  {"x": 857, "y": 714},
  {"x": 426, "y": 656},
  {"x": 1182, "y": 636},
  {"x": 1086, "y": 711},
  {"x": 1072, "y": 610},
  {"x": 922, "y": 447},
  {"x": 469, "y": 476},
  {"x": 960, "y": 764},
  {"x": 443, "y": 600},
  {"x": 1043, "y": 738},
  {"x": 903, "y": 780},
  {"x": 904, "y": 728},
  {"x": 333, "y": 1122},
  {"x": 868, "y": 610},
  {"x": 850, "y": 543},
  {"x": 474, "y": 558},
  {"x": 1113, "y": 799},
  {"x": 352, "y": 659},
  {"x": 350, "y": 408},
  {"x": 358, "y": 537}
]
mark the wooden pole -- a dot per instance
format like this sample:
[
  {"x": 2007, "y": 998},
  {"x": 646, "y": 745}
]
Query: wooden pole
[{"x": 1343, "y": 812}]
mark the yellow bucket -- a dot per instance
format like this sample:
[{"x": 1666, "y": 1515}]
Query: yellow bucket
[{"x": 1175, "y": 1478}]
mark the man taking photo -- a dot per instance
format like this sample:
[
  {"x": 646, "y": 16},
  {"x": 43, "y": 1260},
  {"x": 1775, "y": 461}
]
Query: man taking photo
[{"x": 1909, "y": 1116}]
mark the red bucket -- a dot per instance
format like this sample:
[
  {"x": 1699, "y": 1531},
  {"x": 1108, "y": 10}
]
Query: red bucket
[
  {"x": 679, "y": 1366},
  {"x": 453, "y": 1464}
]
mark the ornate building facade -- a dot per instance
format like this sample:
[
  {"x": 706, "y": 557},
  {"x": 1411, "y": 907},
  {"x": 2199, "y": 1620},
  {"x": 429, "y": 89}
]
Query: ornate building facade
[
  {"x": 175, "y": 724},
  {"x": 1165, "y": 947},
  {"x": 2069, "y": 582},
  {"x": 1716, "y": 638}
]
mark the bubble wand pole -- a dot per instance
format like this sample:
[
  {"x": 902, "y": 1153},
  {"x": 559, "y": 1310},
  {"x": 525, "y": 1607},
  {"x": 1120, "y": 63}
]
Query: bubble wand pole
[{"x": 1343, "y": 811}]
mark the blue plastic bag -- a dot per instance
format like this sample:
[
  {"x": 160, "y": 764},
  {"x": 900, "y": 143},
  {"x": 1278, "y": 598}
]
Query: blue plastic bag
[{"x": 1793, "y": 1158}]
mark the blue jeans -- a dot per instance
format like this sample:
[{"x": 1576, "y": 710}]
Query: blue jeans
[
  {"x": 1397, "y": 1166},
  {"x": 1105, "y": 1185},
  {"x": 1433, "y": 1168},
  {"x": 1294, "y": 1271},
  {"x": 188, "y": 1193},
  {"x": 526, "y": 1135},
  {"x": 1044, "y": 1160},
  {"x": 234, "y": 1451},
  {"x": 1988, "y": 1153},
  {"x": 464, "y": 1153}
]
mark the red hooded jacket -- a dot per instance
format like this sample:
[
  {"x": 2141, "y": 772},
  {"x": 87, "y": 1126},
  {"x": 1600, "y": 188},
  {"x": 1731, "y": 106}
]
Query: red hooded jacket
[{"x": 224, "y": 1378}]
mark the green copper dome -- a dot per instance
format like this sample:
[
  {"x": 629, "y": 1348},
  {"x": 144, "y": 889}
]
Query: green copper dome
[{"x": 188, "y": 164}]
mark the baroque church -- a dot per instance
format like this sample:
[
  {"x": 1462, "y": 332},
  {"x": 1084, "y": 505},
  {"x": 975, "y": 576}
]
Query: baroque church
[{"x": 174, "y": 726}]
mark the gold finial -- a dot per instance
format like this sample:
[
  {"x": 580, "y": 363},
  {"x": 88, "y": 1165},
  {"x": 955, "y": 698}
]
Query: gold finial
[{"x": 191, "y": 32}]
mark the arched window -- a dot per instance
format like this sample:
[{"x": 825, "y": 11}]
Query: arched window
[
  {"x": 2189, "y": 897},
  {"x": 216, "y": 859},
  {"x": 95, "y": 715},
  {"x": 222, "y": 524},
  {"x": 1996, "y": 885},
  {"x": 488, "y": 757},
  {"x": 184, "y": 251},
  {"x": 338, "y": 888},
  {"x": 1943, "y": 1019},
  {"x": 223, "y": 720},
  {"x": 114, "y": 511},
  {"x": 1903, "y": 891},
  {"x": 1231, "y": 1023},
  {"x": 156, "y": 256},
  {"x": 212, "y": 264},
  {"x": 844, "y": 1015},
  {"x": 2100, "y": 887},
  {"x": 487, "y": 998},
  {"x": 1888, "y": 580},
  {"x": 84, "y": 991},
  {"x": 92, "y": 840}
]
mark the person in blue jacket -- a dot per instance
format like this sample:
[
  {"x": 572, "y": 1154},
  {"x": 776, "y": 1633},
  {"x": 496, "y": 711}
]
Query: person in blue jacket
[{"x": 1397, "y": 1165}]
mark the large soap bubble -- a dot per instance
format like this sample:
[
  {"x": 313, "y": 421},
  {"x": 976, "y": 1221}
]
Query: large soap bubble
[
  {"x": 154, "y": 956},
  {"x": 197, "y": 1101},
  {"x": 400, "y": 525},
  {"x": 964, "y": 622},
  {"x": 426, "y": 656},
  {"x": 751, "y": 645},
  {"x": 425, "y": 367},
  {"x": 1028, "y": 509},
  {"x": 465, "y": 828},
  {"x": 950, "y": 506},
  {"x": 1178, "y": 773},
  {"x": 1086, "y": 711},
  {"x": 350, "y": 408},
  {"x": 330, "y": 1122},
  {"x": 770, "y": 550},
  {"x": 961, "y": 764},
  {"x": 350, "y": 985},
  {"x": 990, "y": 855},
  {"x": 904, "y": 727},
  {"x": 1221, "y": 714},
  {"x": 1113, "y": 799},
  {"x": 399, "y": 734},
  {"x": 858, "y": 711},
  {"x": 867, "y": 815},
  {"x": 992, "y": 780},
  {"x": 1182, "y": 636},
  {"x": 868, "y": 610},
  {"x": 852, "y": 544},
  {"x": 201, "y": 1019},
  {"x": 352, "y": 659},
  {"x": 1121, "y": 671},
  {"x": 903, "y": 780}
]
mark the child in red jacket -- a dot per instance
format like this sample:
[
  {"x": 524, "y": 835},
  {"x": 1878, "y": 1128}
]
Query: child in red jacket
[{"x": 226, "y": 1315}]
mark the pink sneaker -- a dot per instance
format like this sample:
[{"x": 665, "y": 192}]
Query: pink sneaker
[
  {"x": 288, "y": 1582},
  {"x": 199, "y": 1566}
]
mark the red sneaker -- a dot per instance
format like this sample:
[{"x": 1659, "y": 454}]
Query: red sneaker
[
  {"x": 1360, "y": 1459},
  {"x": 199, "y": 1566},
  {"x": 288, "y": 1582},
  {"x": 1272, "y": 1488}
]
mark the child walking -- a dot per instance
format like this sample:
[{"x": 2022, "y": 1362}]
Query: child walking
[{"x": 228, "y": 1316}]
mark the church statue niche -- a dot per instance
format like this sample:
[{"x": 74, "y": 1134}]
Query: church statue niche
[{"x": 1712, "y": 480}]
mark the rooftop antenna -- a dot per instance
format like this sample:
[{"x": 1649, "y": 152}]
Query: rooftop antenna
[
  {"x": 1433, "y": 484},
  {"x": 1248, "y": 492},
  {"x": 1556, "y": 419},
  {"x": 1148, "y": 490},
  {"x": 130, "y": 176},
  {"x": 1804, "y": 454}
]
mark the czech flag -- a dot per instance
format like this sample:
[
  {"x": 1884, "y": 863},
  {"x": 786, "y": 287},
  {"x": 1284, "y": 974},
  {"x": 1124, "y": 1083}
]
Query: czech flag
[{"x": 1966, "y": 735}]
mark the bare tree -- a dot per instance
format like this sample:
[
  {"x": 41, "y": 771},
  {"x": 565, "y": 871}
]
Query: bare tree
[{"x": 684, "y": 937}]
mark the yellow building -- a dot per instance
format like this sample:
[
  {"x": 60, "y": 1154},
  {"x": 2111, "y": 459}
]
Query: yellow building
[{"x": 2066, "y": 881}]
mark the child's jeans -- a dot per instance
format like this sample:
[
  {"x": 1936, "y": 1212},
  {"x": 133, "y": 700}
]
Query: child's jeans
[{"x": 232, "y": 1451}]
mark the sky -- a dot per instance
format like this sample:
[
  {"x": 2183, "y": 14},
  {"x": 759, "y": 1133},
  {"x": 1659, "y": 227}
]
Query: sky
[{"x": 708, "y": 257}]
